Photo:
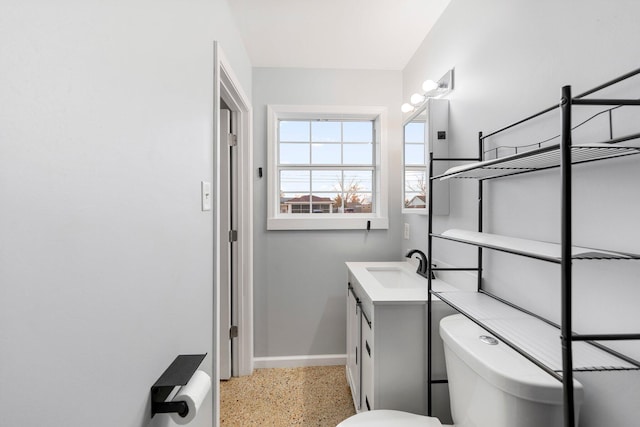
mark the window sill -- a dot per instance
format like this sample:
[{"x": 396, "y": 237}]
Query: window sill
[
  {"x": 321, "y": 222},
  {"x": 406, "y": 211}
]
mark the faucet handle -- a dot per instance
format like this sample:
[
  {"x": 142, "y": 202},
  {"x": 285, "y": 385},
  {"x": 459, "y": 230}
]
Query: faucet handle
[{"x": 433, "y": 274}]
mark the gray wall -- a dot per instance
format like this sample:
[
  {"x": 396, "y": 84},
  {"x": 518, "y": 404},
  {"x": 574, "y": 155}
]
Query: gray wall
[
  {"x": 300, "y": 276},
  {"x": 106, "y": 130},
  {"x": 511, "y": 59}
]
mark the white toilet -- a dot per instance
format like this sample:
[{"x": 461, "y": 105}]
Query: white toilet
[{"x": 490, "y": 385}]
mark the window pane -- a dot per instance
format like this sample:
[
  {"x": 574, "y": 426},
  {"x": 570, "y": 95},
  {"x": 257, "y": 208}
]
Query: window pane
[
  {"x": 295, "y": 181},
  {"x": 294, "y": 203},
  {"x": 325, "y": 132},
  {"x": 357, "y": 131},
  {"x": 414, "y": 132},
  {"x": 358, "y": 203},
  {"x": 415, "y": 189},
  {"x": 326, "y": 181},
  {"x": 322, "y": 203},
  {"x": 415, "y": 181},
  {"x": 294, "y": 131},
  {"x": 414, "y": 201},
  {"x": 325, "y": 154},
  {"x": 357, "y": 154},
  {"x": 294, "y": 154},
  {"x": 365, "y": 202},
  {"x": 414, "y": 154},
  {"x": 358, "y": 181}
]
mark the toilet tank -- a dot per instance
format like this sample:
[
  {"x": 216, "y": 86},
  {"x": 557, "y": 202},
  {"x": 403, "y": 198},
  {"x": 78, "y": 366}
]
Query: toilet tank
[{"x": 491, "y": 385}]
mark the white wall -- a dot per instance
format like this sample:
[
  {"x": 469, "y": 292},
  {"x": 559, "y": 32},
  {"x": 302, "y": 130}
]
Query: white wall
[
  {"x": 106, "y": 130},
  {"x": 300, "y": 276},
  {"x": 511, "y": 59}
]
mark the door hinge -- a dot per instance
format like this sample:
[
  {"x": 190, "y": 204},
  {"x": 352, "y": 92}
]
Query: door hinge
[
  {"x": 233, "y": 332},
  {"x": 233, "y": 236},
  {"x": 232, "y": 140}
]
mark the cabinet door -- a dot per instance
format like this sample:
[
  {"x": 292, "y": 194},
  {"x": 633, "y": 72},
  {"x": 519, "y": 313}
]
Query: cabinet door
[
  {"x": 353, "y": 346},
  {"x": 367, "y": 373}
]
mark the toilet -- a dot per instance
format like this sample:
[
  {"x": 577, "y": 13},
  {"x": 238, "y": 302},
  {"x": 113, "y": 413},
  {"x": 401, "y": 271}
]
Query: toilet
[{"x": 490, "y": 385}]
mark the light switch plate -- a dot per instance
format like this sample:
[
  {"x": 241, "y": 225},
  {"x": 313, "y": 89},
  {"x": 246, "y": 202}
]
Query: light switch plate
[
  {"x": 206, "y": 195},
  {"x": 406, "y": 231}
]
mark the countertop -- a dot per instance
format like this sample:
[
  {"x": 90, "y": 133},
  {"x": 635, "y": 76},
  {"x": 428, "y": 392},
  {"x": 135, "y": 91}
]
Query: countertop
[{"x": 378, "y": 293}]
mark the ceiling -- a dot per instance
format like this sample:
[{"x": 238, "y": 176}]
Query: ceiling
[{"x": 343, "y": 34}]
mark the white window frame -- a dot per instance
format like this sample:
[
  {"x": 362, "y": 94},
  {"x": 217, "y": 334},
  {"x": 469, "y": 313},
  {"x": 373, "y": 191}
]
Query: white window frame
[{"x": 378, "y": 219}]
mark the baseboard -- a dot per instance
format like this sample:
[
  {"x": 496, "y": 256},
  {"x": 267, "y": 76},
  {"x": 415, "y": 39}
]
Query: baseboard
[{"x": 299, "y": 361}]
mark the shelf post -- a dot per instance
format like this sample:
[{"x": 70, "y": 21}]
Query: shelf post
[
  {"x": 429, "y": 300},
  {"x": 566, "y": 327},
  {"x": 480, "y": 207}
]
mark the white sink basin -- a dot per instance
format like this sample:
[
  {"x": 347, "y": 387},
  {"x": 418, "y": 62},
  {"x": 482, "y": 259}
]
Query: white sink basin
[
  {"x": 390, "y": 282},
  {"x": 395, "y": 277}
]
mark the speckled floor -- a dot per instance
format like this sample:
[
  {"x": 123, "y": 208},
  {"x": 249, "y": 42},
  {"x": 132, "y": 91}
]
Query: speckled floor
[{"x": 316, "y": 396}]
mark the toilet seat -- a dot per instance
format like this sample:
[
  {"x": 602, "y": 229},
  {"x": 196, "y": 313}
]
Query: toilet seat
[{"x": 386, "y": 418}]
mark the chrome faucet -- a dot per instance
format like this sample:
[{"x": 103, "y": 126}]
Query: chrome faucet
[{"x": 423, "y": 266}]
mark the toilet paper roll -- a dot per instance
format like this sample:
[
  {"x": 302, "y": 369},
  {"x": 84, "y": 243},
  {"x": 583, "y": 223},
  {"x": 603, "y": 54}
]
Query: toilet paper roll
[{"x": 193, "y": 393}]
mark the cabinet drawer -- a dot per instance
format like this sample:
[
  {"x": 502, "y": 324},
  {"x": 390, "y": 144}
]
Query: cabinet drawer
[{"x": 367, "y": 373}]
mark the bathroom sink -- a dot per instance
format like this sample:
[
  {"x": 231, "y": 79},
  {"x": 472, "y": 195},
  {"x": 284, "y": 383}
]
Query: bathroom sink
[{"x": 395, "y": 277}]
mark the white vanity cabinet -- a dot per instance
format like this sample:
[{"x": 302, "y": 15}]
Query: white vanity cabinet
[{"x": 387, "y": 352}]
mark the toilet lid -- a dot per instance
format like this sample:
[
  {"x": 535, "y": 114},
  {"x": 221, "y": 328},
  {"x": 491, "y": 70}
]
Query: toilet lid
[{"x": 386, "y": 418}]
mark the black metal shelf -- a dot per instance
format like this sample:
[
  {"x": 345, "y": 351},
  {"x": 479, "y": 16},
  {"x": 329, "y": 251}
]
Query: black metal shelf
[
  {"x": 535, "y": 160},
  {"x": 545, "y": 251},
  {"x": 529, "y": 334},
  {"x": 533, "y": 337}
]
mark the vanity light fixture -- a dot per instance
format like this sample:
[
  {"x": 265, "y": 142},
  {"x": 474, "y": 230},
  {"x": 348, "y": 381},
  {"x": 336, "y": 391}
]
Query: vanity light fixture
[
  {"x": 417, "y": 99},
  {"x": 429, "y": 85},
  {"x": 431, "y": 90},
  {"x": 407, "y": 108}
]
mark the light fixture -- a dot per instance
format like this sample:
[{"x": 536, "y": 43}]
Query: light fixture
[
  {"x": 407, "y": 108},
  {"x": 429, "y": 85},
  {"x": 431, "y": 90},
  {"x": 417, "y": 99}
]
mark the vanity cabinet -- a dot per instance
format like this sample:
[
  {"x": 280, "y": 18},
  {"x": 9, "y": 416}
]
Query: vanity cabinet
[{"x": 387, "y": 352}]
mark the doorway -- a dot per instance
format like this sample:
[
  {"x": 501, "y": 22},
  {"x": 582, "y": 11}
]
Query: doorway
[
  {"x": 228, "y": 247},
  {"x": 233, "y": 228}
]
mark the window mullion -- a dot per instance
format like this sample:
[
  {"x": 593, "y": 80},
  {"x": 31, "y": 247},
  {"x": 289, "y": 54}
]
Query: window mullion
[
  {"x": 342, "y": 204},
  {"x": 341, "y": 143}
]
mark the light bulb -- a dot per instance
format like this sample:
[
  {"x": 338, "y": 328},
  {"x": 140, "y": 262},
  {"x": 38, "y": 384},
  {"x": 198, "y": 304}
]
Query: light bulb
[
  {"x": 429, "y": 85},
  {"x": 417, "y": 99},
  {"x": 406, "y": 108}
]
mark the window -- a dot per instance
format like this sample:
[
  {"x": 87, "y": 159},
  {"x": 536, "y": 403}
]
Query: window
[{"x": 326, "y": 168}]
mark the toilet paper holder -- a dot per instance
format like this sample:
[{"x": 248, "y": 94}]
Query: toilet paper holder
[{"x": 177, "y": 374}]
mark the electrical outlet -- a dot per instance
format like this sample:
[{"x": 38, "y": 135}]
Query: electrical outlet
[{"x": 406, "y": 231}]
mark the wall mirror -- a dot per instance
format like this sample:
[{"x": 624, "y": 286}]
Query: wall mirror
[
  {"x": 425, "y": 132},
  {"x": 415, "y": 163}
]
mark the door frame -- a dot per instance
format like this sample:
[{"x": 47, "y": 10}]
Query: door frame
[
  {"x": 227, "y": 87},
  {"x": 228, "y": 253}
]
